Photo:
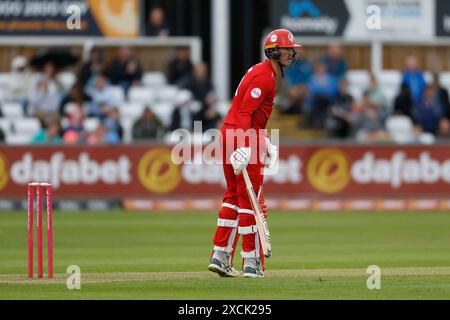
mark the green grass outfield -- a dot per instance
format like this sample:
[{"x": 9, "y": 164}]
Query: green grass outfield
[{"x": 157, "y": 255}]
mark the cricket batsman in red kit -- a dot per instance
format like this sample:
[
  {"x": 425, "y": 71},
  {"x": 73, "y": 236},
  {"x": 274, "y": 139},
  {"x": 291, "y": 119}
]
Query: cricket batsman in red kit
[{"x": 245, "y": 144}]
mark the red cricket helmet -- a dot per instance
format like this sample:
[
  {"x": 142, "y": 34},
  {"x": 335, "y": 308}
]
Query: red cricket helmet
[{"x": 280, "y": 38}]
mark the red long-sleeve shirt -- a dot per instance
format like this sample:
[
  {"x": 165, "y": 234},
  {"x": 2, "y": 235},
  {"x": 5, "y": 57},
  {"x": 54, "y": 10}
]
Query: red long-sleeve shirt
[{"x": 253, "y": 101}]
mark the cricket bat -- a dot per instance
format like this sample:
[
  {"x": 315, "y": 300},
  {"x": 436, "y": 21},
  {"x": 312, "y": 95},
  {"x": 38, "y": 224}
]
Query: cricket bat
[{"x": 261, "y": 223}]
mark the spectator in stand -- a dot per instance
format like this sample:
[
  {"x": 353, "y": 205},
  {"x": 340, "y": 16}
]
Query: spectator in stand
[
  {"x": 441, "y": 94},
  {"x": 75, "y": 95},
  {"x": 340, "y": 126},
  {"x": 112, "y": 122},
  {"x": 125, "y": 70},
  {"x": 50, "y": 73},
  {"x": 322, "y": 91},
  {"x": 334, "y": 61},
  {"x": 183, "y": 117},
  {"x": 101, "y": 97},
  {"x": 297, "y": 78},
  {"x": 180, "y": 68},
  {"x": 103, "y": 135},
  {"x": 414, "y": 79},
  {"x": 43, "y": 100},
  {"x": 429, "y": 113},
  {"x": 45, "y": 94},
  {"x": 75, "y": 132},
  {"x": 377, "y": 98},
  {"x": 443, "y": 97},
  {"x": 403, "y": 103},
  {"x": 21, "y": 81},
  {"x": 157, "y": 26},
  {"x": 98, "y": 136},
  {"x": 366, "y": 122},
  {"x": 92, "y": 67},
  {"x": 200, "y": 85},
  {"x": 209, "y": 118},
  {"x": 49, "y": 134},
  {"x": 147, "y": 127}
]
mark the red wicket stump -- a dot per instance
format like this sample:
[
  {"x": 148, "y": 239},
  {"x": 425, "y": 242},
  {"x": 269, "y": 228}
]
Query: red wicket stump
[{"x": 37, "y": 188}]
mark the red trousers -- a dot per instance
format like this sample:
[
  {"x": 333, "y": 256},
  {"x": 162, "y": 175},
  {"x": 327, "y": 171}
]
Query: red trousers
[{"x": 236, "y": 216}]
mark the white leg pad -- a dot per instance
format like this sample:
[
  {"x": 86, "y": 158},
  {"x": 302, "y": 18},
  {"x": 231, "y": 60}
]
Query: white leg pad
[
  {"x": 251, "y": 254},
  {"x": 224, "y": 249},
  {"x": 227, "y": 223},
  {"x": 247, "y": 230},
  {"x": 231, "y": 206},
  {"x": 247, "y": 211}
]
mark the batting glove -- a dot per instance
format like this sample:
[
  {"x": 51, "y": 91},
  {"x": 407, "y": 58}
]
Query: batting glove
[
  {"x": 239, "y": 159},
  {"x": 272, "y": 154}
]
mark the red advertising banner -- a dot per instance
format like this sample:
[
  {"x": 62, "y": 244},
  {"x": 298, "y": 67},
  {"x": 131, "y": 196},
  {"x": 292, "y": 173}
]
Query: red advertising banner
[{"x": 305, "y": 172}]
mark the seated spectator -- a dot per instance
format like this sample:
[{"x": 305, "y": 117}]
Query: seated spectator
[
  {"x": 112, "y": 122},
  {"x": 340, "y": 126},
  {"x": 101, "y": 97},
  {"x": 334, "y": 61},
  {"x": 157, "y": 26},
  {"x": 148, "y": 126},
  {"x": 377, "y": 97},
  {"x": 429, "y": 113},
  {"x": 49, "y": 134},
  {"x": 21, "y": 81},
  {"x": 200, "y": 85},
  {"x": 97, "y": 136},
  {"x": 366, "y": 122},
  {"x": 183, "y": 117},
  {"x": 180, "y": 67},
  {"x": 92, "y": 67},
  {"x": 209, "y": 118},
  {"x": 414, "y": 79},
  {"x": 125, "y": 69},
  {"x": 75, "y": 95},
  {"x": 103, "y": 135},
  {"x": 322, "y": 91},
  {"x": 441, "y": 94},
  {"x": 50, "y": 73},
  {"x": 297, "y": 78},
  {"x": 74, "y": 132},
  {"x": 403, "y": 103},
  {"x": 42, "y": 99}
]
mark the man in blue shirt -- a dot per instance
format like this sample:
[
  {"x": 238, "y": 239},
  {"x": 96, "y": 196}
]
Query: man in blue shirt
[
  {"x": 335, "y": 62},
  {"x": 297, "y": 78},
  {"x": 414, "y": 79}
]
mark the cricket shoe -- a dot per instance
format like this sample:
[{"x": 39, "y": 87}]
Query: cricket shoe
[
  {"x": 220, "y": 264},
  {"x": 253, "y": 268}
]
